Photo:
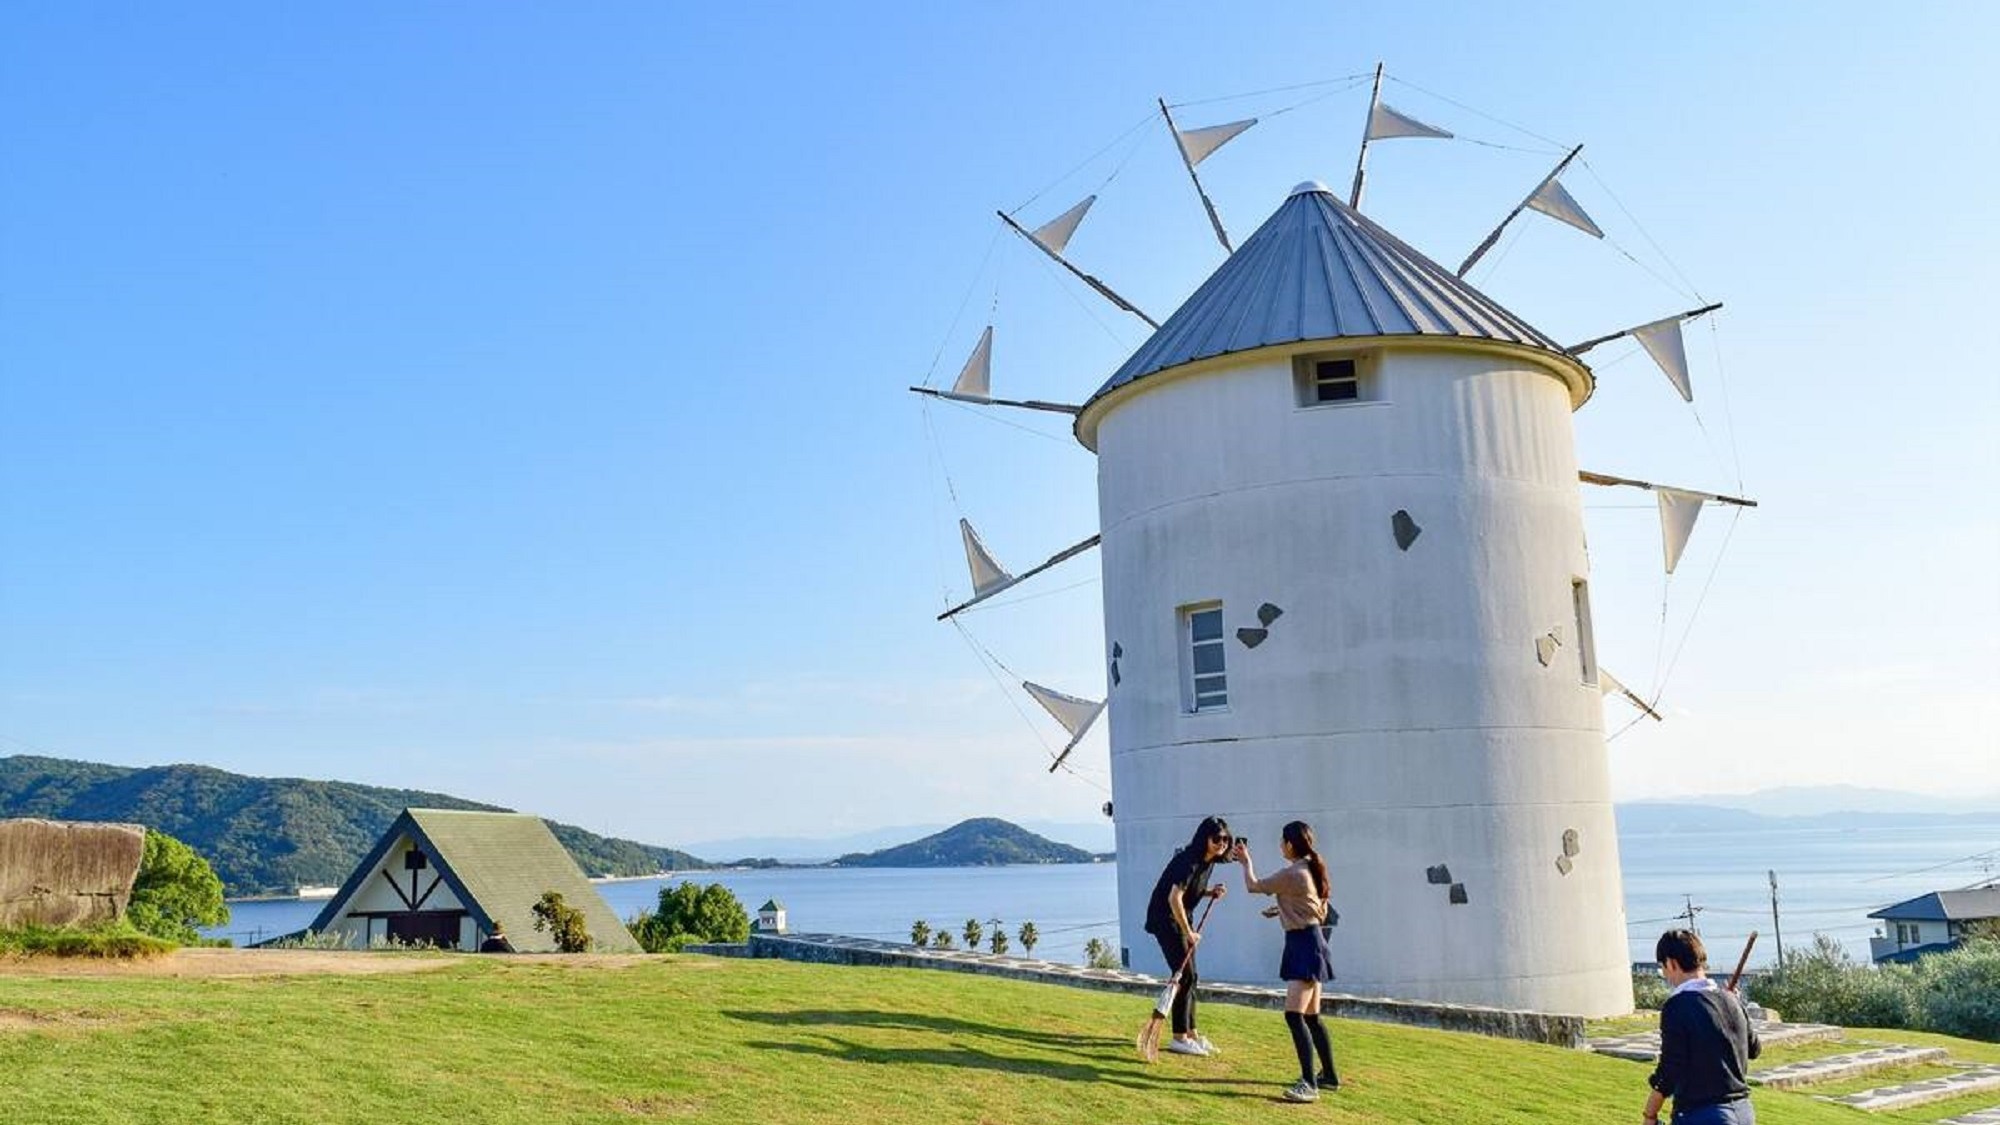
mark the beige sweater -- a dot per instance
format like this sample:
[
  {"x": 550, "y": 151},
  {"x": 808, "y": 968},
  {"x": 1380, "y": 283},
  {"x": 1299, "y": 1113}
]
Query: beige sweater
[{"x": 1299, "y": 904}]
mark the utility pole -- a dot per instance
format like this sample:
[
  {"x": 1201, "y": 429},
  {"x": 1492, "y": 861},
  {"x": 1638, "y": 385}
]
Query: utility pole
[
  {"x": 1690, "y": 913},
  {"x": 1777, "y": 934}
]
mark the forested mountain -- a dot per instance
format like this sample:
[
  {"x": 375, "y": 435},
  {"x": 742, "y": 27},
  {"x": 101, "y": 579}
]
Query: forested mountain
[
  {"x": 269, "y": 835},
  {"x": 981, "y": 842}
]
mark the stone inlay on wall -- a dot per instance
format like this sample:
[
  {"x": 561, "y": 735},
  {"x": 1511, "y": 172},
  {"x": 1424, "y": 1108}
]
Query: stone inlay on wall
[
  {"x": 1251, "y": 638},
  {"x": 1406, "y": 529},
  {"x": 1437, "y": 876}
]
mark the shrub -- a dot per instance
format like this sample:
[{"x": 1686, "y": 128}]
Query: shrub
[
  {"x": 1959, "y": 991},
  {"x": 688, "y": 914},
  {"x": 313, "y": 939},
  {"x": 176, "y": 891},
  {"x": 562, "y": 921},
  {"x": 1649, "y": 990},
  {"x": 1098, "y": 954},
  {"x": 1822, "y": 983}
]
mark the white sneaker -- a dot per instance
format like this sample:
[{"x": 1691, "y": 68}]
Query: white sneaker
[
  {"x": 1301, "y": 1091},
  {"x": 1188, "y": 1047},
  {"x": 1207, "y": 1048}
]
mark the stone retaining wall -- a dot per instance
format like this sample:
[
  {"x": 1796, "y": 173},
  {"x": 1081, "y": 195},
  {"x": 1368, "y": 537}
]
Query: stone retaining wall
[
  {"x": 59, "y": 873},
  {"x": 834, "y": 949}
]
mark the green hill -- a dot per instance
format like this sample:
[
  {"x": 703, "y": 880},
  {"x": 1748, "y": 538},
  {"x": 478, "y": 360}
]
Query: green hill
[
  {"x": 981, "y": 842},
  {"x": 269, "y": 835}
]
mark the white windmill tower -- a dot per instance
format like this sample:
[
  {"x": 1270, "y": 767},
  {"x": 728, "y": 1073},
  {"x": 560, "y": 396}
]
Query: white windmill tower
[{"x": 1345, "y": 581}]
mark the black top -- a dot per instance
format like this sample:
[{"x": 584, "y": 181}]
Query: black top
[
  {"x": 1706, "y": 1044},
  {"x": 1188, "y": 873}
]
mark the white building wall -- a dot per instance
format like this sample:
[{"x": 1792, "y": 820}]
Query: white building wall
[
  {"x": 374, "y": 894},
  {"x": 1398, "y": 704}
]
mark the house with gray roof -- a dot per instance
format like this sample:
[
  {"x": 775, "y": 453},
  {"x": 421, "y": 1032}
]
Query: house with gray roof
[
  {"x": 452, "y": 878},
  {"x": 1932, "y": 923}
]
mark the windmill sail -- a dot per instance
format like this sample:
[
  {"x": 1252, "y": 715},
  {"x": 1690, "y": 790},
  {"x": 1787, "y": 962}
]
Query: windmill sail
[
  {"x": 988, "y": 576},
  {"x": 1662, "y": 341},
  {"x": 1386, "y": 124},
  {"x": 1198, "y": 144},
  {"x": 1055, "y": 234},
  {"x": 974, "y": 380},
  {"x": 1679, "y": 509},
  {"x": 1075, "y": 715},
  {"x": 1555, "y": 201}
]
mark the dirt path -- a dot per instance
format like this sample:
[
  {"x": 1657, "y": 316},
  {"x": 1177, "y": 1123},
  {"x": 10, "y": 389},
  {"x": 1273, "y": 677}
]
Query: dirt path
[{"x": 222, "y": 963}]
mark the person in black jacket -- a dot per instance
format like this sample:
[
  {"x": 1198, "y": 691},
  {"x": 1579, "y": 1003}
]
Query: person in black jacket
[
  {"x": 1181, "y": 885},
  {"x": 1706, "y": 1042}
]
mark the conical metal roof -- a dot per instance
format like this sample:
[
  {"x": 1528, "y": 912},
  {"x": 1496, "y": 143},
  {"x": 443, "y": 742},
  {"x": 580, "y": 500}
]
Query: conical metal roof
[{"x": 1320, "y": 270}]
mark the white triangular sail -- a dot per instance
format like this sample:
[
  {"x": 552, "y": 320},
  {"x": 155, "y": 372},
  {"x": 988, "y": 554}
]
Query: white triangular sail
[
  {"x": 987, "y": 574},
  {"x": 975, "y": 378},
  {"x": 1055, "y": 234},
  {"x": 1608, "y": 683},
  {"x": 1386, "y": 124},
  {"x": 1678, "y": 511},
  {"x": 1555, "y": 201},
  {"x": 1074, "y": 714},
  {"x": 1198, "y": 144},
  {"x": 1662, "y": 341}
]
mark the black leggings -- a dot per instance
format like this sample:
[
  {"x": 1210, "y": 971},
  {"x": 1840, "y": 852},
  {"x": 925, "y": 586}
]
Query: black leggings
[{"x": 1173, "y": 949}]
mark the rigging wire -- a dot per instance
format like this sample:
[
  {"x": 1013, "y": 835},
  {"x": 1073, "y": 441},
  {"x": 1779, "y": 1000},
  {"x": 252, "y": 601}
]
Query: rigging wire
[
  {"x": 984, "y": 606},
  {"x": 991, "y": 662},
  {"x": 1975, "y": 856},
  {"x": 1728, "y": 416},
  {"x": 1554, "y": 144},
  {"x": 981, "y": 412},
  {"x": 1644, "y": 233},
  {"x": 1084, "y": 163},
  {"x": 977, "y": 276},
  {"x": 1350, "y": 79},
  {"x": 1680, "y": 646},
  {"x": 1063, "y": 284}
]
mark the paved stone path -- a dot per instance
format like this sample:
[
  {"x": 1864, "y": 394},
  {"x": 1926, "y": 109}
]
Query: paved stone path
[
  {"x": 1832, "y": 1068},
  {"x": 1968, "y": 1080},
  {"x": 1976, "y": 1117},
  {"x": 1645, "y": 1046}
]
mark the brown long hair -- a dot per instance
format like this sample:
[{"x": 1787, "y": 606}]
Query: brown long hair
[{"x": 1299, "y": 835}]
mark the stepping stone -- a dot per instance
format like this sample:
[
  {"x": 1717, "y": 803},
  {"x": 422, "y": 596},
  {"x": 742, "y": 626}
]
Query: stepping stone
[
  {"x": 1976, "y": 1117},
  {"x": 1645, "y": 1046},
  {"x": 1834, "y": 1067},
  {"x": 1968, "y": 1080}
]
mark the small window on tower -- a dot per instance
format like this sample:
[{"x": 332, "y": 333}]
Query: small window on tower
[
  {"x": 1323, "y": 380},
  {"x": 1206, "y": 686},
  {"x": 1586, "y": 645},
  {"x": 1336, "y": 380}
]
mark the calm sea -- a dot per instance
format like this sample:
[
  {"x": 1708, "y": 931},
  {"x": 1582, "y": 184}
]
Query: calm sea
[{"x": 1828, "y": 881}]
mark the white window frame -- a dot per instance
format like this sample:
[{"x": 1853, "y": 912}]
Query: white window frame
[
  {"x": 1586, "y": 640},
  {"x": 1194, "y": 700},
  {"x": 1306, "y": 379}
]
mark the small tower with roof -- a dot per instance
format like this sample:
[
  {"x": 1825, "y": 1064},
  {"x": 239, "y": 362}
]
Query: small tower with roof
[
  {"x": 1345, "y": 582},
  {"x": 771, "y": 917}
]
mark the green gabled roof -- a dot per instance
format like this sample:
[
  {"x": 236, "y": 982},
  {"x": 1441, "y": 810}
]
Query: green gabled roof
[
  {"x": 772, "y": 904},
  {"x": 499, "y": 864}
]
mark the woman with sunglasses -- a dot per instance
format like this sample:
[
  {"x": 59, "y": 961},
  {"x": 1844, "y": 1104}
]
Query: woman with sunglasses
[{"x": 1181, "y": 885}]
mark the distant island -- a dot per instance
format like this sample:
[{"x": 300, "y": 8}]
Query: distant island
[
  {"x": 271, "y": 835},
  {"x": 980, "y": 842}
]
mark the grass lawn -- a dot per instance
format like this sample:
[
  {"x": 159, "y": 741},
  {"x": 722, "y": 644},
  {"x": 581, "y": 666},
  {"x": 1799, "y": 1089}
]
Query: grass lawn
[{"x": 701, "y": 1039}]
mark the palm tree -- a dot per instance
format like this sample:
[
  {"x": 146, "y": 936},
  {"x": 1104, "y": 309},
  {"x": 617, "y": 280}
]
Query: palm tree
[
  {"x": 1029, "y": 936},
  {"x": 941, "y": 940},
  {"x": 999, "y": 941},
  {"x": 972, "y": 933},
  {"x": 920, "y": 933}
]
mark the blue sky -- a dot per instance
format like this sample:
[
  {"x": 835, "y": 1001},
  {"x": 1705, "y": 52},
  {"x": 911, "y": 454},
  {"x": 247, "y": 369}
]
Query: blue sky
[{"x": 508, "y": 400}]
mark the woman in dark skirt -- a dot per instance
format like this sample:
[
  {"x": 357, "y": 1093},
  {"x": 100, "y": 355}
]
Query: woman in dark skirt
[{"x": 1301, "y": 889}]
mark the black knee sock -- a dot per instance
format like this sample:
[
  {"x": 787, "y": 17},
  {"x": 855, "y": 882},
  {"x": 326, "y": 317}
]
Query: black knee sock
[
  {"x": 1296, "y": 1021},
  {"x": 1324, "y": 1045}
]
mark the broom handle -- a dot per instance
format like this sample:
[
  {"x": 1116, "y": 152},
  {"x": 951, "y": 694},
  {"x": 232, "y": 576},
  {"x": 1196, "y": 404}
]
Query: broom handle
[
  {"x": 1736, "y": 977},
  {"x": 1199, "y": 923}
]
